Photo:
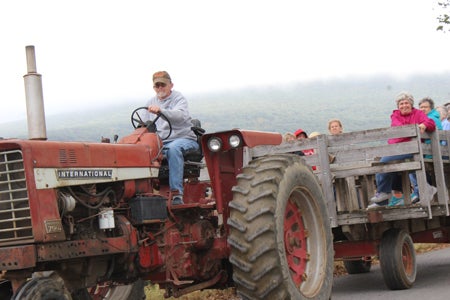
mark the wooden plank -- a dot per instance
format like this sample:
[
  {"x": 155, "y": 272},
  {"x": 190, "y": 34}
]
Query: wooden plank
[
  {"x": 339, "y": 186},
  {"x": 406, "y": 188},
  {"x": 349, "y": 154},
  {"x": 411, "y": 165},
  {"x": 368, "y": 188},
  {"x": 421, "y": 177},
  {"x": 353, "y": 203},
  {"x": 443, "y": 137},
  {"x": 354, "y": 145},
  {"x": 386, "y": 214},
  {"x": 286, "y": 147},
  {"x": 371, "y": 135},
  {"x": 326, "y": 179},
  {"x": 442, "y": 192},
  {"x": 351, "y": 166},
  {"x": 350, "y": 196}
]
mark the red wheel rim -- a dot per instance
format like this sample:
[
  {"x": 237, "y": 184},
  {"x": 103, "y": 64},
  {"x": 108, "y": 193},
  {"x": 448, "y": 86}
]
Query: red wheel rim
[
  {"x": 407, "y": 259},
  {"x": 295, "y": 241}
]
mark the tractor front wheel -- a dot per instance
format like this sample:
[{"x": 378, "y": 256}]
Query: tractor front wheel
[{"x": 42, "y": 288}]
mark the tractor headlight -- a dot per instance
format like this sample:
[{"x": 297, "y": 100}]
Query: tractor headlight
[
  {"x": 215, "y": 144},
  {"x": 235, "y": 141}
]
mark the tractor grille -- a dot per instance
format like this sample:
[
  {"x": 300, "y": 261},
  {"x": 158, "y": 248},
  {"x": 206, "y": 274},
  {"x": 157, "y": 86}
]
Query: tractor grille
[{"x": 15, "y": 218}]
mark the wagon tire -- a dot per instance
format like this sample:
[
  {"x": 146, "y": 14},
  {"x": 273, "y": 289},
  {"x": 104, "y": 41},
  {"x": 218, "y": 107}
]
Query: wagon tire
[{"x": 397, "y": 259}]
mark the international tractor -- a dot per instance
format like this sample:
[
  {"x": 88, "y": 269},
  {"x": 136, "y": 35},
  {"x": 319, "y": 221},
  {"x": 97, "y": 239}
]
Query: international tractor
[{"x": 82, "y": 220}]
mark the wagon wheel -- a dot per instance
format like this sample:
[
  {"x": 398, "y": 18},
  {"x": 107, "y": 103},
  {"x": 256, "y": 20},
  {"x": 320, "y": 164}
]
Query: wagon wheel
[
  {"x": 280, "y": 235},
  {"x": 397, "y": 259}
]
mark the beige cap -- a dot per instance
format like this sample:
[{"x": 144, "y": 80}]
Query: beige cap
[{"x": 162, "y": 76}]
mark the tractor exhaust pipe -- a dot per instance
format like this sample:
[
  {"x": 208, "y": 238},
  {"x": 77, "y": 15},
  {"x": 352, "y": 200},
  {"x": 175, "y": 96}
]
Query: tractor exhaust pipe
[{"x": 34, "y": 98}]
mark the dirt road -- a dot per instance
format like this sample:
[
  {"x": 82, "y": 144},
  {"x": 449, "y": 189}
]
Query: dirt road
[{"x": 432, "y": 281}]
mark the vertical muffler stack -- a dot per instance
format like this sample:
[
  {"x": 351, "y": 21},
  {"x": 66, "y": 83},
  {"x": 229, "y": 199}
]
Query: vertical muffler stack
[{"x": 34, "y": 98}]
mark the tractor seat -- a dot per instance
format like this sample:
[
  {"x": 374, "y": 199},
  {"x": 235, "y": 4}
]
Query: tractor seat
[{"x": 192, "y": 158}]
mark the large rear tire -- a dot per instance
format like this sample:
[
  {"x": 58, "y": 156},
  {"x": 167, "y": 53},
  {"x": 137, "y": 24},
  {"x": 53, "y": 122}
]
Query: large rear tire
[
  {"x": 397, "y": 259},
  {"x": 280, "y": 235}
]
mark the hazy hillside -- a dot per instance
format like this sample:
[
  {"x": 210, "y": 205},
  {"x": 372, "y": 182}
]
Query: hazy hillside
[{"x": 359, "y": 103}]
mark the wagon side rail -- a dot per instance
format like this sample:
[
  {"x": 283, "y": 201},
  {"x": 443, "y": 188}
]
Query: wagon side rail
[
  {"x": 346, "y": 164},
  {"x": 357, "y": 157},
  {"x": 436, "y": 151}
]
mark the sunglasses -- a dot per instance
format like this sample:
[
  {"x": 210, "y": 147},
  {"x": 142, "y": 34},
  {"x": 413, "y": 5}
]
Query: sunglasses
[{"x": 159, "y": 84}]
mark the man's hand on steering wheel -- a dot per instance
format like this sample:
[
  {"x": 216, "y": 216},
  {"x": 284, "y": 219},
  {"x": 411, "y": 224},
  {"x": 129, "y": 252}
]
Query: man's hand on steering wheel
[
  {"x": 154, "y": 109},
  {"x": 137, "y": 121}
]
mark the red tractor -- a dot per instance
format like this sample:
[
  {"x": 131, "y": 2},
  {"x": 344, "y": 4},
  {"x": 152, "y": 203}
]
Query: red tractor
[{"x": 85, "y": 220}]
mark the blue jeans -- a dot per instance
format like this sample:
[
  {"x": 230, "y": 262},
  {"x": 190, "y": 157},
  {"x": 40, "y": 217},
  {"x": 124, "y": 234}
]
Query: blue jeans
[
  {"x": 173, "y": 151},
  {"x": 384, "y": 180},
  {"x": 413, "y": 180}
]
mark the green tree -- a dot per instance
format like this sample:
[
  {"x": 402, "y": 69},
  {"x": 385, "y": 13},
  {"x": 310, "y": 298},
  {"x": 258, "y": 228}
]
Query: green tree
[{"x": 443, "y": 18}]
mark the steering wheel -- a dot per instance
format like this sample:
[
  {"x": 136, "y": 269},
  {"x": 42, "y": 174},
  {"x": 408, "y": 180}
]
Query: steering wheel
[{"x": 137, "y": 121}]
